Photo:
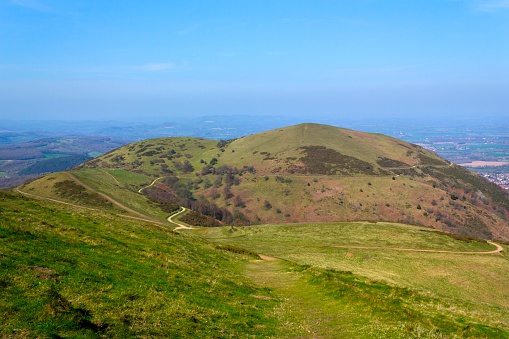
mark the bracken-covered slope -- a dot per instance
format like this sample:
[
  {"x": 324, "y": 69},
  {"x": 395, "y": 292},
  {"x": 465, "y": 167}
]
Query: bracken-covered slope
[{"x": 312, "y": 173}]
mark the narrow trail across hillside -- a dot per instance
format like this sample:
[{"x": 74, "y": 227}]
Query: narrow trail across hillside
[
  {"x": 151, "y": 184},
  {"x": 496, "y": 251},
  {"x": 39, "y": 197},
  {"x": 114, "y": 179},
  {"x": 113, "y": 201},
  {"x": 139, "y": 216},
  {"x": 180, "y": 226}
]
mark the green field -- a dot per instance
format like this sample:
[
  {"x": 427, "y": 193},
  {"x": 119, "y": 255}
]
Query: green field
[{"x": 72, "y": 272}]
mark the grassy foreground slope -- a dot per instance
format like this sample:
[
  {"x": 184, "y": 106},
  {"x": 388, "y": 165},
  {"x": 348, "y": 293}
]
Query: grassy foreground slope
[
  {"x": 66, "y": 271},
  {"x": 71, "y": 272}
]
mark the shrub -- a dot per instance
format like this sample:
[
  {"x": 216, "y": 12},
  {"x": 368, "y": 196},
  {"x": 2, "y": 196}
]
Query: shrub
[
  {"x": 236, "y": 249},
  {"x": 184, "y": 167},
  {"x": 197, "y": 219},
  {"x": 238, "y": 202}
]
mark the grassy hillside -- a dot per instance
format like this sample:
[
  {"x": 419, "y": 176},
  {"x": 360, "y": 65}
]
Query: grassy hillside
[
  {"x": 279, "y": 146},
  {"x": 73, "y": 272},
  {"x": 270, "y": 152},
  {"x": 119, "y": 186},
  {"x": 308, "y": 173}
]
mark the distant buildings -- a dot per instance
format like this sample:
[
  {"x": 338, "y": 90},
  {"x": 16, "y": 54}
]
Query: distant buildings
[{"x": 501, "y": 179}]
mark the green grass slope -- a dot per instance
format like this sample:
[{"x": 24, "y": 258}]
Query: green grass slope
[
  {"x": 72, "y": 272},
  {"x": 67, "y": 271},
  {"x": 117, "y": 185},
  {"x": 283, "y": 145}
]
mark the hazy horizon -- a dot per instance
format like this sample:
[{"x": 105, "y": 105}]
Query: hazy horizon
[{"x": 127, "y": 61}]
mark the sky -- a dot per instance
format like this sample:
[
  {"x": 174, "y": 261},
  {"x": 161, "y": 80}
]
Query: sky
[{"x": 131, "y": 60}]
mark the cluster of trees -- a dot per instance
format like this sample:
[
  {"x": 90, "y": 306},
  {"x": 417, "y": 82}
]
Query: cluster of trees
[
  {"x": 198, "y": 219},
  {"x": 226, "y": 177},
  {"x": 283, "y": 180},
  {"x": 178, "y": 193},
  {"x": 225, "y": 170},
  {"x": 184, "y": 166}
]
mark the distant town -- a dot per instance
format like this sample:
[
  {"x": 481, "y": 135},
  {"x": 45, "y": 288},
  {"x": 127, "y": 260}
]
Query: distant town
[
  {"x": 501, "y": 179},
  {"x": 481, "y": 147}
]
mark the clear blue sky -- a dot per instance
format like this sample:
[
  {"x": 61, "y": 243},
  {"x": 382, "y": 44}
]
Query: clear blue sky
[{"x": 98, "y": 59}]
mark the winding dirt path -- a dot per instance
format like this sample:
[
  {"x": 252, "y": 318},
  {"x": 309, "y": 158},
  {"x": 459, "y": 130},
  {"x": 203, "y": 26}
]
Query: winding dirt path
[
  {"x": 151, "y": 184},
  {"x": 39, "y": 197},
  {"x": 179, "y": 225},
  {"x": 137, "y": 215},
  {"x": 496, "y": 251}
]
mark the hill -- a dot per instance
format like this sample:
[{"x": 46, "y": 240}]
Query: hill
[{"x": 312, "y": 173}]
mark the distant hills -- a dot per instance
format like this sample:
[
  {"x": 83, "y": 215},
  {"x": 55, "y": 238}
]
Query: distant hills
[
  {"x": 20, "y": 162},
  {"x": 315, "y": 173}
]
